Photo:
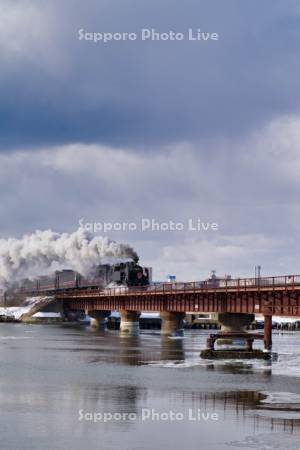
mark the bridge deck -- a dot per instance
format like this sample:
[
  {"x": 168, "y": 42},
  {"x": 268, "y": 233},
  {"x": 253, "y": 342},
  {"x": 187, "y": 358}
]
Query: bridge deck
[{"x": 268, "y": 296}]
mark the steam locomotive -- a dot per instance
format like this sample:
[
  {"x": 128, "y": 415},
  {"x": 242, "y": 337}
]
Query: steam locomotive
[{"x": 123, "y": 274}]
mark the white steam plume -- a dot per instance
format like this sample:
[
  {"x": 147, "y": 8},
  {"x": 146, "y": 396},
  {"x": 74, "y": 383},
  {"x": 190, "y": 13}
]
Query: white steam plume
[{"x": 43, "y": 252}]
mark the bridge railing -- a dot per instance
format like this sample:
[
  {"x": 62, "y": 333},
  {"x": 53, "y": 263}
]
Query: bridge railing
[{"x": 237, "y": 284}]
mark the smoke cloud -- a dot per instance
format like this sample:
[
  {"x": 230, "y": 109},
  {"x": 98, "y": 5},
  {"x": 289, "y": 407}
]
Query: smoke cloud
[{"x": 43, "y": 252}]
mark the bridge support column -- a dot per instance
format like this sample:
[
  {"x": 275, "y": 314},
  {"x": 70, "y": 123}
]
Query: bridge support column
[
  {"x": 129, "y": 323},
  {"x": 268, "y": 333},
  {"x": 98, "y": 318},
  {"x": 238, "y": 322},
  {"x": 172, "y": 323},
  {"x": 234, "y": 323}
]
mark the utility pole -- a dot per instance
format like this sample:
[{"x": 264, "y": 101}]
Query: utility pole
[{"x": 257, "y": 272}]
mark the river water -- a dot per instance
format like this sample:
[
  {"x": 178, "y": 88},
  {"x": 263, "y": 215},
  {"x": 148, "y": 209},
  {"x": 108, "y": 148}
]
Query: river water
[{"x": 64, "y": 387}]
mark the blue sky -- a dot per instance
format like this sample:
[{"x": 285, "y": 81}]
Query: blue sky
[{"x": 165, "y": 130}]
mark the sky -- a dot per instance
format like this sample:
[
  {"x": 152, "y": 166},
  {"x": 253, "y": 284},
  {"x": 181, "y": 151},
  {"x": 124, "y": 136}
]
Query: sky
[{"x": 155, "y": 130}]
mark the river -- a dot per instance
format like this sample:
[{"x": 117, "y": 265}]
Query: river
[{"x": 64, "y": 387}]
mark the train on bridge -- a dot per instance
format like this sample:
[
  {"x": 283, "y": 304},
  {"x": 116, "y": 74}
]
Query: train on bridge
[
  {"x": 128, "y": 276},
  {"x": 124, "y": 274}
]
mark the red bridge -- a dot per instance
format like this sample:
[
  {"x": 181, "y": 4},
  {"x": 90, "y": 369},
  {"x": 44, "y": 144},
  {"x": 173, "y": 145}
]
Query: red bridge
[
  {"x": 269, "y": 296},
  {"x": 236, "y": 300}
]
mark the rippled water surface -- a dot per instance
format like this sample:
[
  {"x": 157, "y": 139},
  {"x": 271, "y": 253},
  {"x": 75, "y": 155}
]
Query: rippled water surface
[{"x": 56, "y": 383}]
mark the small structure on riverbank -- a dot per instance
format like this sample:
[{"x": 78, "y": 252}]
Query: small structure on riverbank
[{"x": 8, "y": 318}]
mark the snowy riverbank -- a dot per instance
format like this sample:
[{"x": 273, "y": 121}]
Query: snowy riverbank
[{"x": 30, "y": 307}]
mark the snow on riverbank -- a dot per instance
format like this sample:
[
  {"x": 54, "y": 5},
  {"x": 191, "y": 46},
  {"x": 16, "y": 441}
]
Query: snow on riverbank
[
  {"x": 278, "y": 319},
  {"x": 48, "y": 315},
  {"x": 29, "y": 304},
  {"x": 144, "y": 315}
]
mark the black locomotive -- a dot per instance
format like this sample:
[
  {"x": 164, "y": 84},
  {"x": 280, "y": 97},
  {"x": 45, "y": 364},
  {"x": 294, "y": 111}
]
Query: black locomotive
[{"x": 123, "y": 274}]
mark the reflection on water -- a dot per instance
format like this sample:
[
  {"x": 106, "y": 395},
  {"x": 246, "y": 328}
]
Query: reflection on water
[
  {"x": 172, "y": 349},
  {"x": 240, "y": 367},
  {"x": 48, "y": 374}
]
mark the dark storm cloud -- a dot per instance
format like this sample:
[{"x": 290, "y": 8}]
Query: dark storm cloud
[
  {"x": 163, "y": 130},
  {"x": 55, "y": 89}
]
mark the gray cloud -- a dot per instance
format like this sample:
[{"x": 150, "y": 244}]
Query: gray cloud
[
  {"x": 249, "y": 187},
  {"x": 55, "y": 89},
  {"x": 169, "y": 130}
]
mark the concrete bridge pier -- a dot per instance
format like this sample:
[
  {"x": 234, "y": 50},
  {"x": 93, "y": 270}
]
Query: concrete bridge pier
[
  {"x": 129, "y": 323},
  {"x": 98, "y": 318},
  {"x": 235, "y": 322},
  {"x": 172, "y": 323}
]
